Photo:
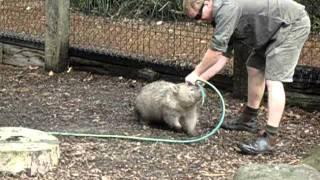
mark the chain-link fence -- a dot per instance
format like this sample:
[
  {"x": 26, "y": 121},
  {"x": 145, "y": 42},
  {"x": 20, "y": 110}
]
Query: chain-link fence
[
  {"x": 147, "y": 39},
  {"x": 148, "y": 29},
  {"x": 310, "y": 55},
  {"x": 158, "y": 30},
  {"x": 24, "y": 18}
]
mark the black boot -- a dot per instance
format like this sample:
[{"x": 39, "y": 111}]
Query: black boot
[
  {"x": 246, "y": 122},
  {"x": 263, "y": 144}
]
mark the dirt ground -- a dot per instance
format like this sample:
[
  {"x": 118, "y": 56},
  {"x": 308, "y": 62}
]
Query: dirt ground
[{"x": 84, "y": 102}]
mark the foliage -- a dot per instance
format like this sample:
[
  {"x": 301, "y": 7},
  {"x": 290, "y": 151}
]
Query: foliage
[
  {"x": 314, "y": 13},
  {"x": 156, "y": 9}
]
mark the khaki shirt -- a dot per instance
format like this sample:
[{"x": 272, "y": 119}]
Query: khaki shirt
[{"x": 253, "y": 22}]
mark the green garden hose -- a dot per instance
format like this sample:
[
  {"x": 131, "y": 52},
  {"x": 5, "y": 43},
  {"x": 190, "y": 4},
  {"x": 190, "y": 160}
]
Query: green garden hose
[{"x": 181, "y": 141}]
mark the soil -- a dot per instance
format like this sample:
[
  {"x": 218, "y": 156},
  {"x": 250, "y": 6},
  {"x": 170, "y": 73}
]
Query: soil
[{"x": 77, "y": 101}]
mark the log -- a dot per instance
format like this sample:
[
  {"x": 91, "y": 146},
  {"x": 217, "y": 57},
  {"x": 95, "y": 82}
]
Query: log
[
  {"x": 27, "y": 150},
  {"x": 1, "y": 53},
  {"x": 221, "y": 81},
  {"x": 308, "y": 102},
  {"x": 19, "y": 56}
]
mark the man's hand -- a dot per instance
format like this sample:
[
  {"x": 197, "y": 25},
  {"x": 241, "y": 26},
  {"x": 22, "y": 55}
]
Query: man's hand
[{"x": 192, "y": 78}]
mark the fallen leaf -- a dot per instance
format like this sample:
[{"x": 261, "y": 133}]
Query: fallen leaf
[
  {"x": 51, "y": 73},
  {"x": 69, "y": 69}
]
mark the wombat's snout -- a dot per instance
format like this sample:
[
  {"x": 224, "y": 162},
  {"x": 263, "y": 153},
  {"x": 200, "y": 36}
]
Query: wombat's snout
[{"x": 196, "y": 90}]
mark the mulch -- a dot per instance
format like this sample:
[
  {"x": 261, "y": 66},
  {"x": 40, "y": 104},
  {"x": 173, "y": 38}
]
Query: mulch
[{"x": 83, "y": 102}]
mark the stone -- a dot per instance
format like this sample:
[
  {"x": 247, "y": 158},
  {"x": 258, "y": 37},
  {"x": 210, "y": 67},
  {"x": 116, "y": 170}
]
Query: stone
[
  {"x": 148, "y": 74},
  {"x": 276, "y": 172},
  {"x": 313, "y": 159}
]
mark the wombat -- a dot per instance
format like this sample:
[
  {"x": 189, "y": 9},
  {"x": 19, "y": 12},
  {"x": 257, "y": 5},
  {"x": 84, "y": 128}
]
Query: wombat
[{"x": 174, "y": 104}]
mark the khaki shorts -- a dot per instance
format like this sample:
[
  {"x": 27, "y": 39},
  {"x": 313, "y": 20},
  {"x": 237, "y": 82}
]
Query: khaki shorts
[{"x": 279, "y": 59}]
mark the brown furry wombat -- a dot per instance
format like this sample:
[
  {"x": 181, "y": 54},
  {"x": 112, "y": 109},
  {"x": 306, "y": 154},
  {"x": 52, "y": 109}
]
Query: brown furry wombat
[{"x": 173, "y": 104}]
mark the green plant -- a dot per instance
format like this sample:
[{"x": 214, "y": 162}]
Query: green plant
[
  {"x": 157, "y": 9},
  {"x": 314, "y": 13}
]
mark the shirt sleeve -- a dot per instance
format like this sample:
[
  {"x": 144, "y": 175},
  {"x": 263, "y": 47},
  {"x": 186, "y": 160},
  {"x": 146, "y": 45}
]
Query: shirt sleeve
[{"x": 226, "y": 20}]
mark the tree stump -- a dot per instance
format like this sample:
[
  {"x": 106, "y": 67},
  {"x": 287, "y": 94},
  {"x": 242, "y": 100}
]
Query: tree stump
[{"x": 27, "y": 150}]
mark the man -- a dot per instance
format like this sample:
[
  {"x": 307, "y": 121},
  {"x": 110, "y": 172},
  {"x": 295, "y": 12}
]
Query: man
[{"x": 274, "y": 31}]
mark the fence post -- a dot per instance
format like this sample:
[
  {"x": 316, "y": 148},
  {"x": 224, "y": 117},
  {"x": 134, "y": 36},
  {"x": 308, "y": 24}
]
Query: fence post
[
  {"x": 57, "y": 35},
  {"x": 240, "y": 75}
]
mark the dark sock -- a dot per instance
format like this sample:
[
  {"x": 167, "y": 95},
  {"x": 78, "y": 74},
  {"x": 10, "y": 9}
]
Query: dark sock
[
  {"x": 248, "y": 115},
  {"x": 251, "y": 111},
  {"x": 272, "y": 131}
]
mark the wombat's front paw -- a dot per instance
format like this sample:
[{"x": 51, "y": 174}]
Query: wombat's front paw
[
  {"x": 177, "y": 126},
  {"x": 192, "y": 133}
]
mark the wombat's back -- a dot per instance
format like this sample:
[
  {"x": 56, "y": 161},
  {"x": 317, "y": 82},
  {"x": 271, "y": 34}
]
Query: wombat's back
[{"x": 150, "y": 100}]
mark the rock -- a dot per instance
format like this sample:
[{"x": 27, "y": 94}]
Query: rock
[
  {"x": 276, "y": 172},
  {"x": 27, "y": 150},
  {"x": 148, "y": 74},
  {"x": 314, "y": 159}
]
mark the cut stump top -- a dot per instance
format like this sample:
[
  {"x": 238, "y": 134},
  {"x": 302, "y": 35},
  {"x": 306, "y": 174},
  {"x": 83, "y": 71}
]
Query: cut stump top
[{"x": 23, "y": 149}]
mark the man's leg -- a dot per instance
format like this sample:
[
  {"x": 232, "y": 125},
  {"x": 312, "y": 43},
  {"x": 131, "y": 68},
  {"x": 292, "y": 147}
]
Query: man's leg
[
  {"x": 247, "y": 119},
  {"x": 267, "y": 139},
  {"x": 276, "y": 102},
  {"x": 256, "y": 86},
  {"x": 281, "y": 60}
]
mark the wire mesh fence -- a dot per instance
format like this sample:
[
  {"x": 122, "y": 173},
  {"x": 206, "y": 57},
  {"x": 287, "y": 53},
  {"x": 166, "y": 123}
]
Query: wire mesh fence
[
  {"x": 138, "y": 28},
  {"x": 149, "y": 29},
  {"x": 24, "y": 18},
  {"x": 141, "y": 38}
]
